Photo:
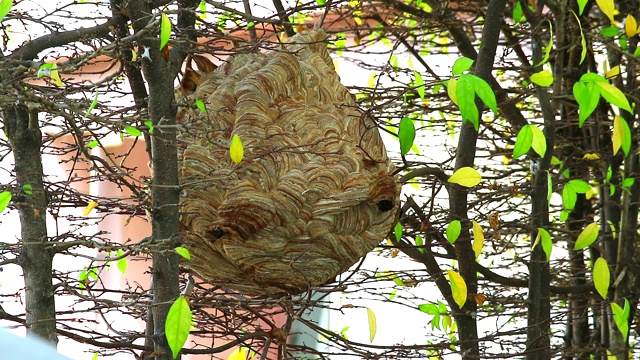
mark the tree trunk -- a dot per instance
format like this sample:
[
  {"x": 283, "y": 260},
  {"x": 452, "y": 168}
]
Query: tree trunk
[
  {"x": 23, "y": 130},
  {"x": 159, "y": 72}
]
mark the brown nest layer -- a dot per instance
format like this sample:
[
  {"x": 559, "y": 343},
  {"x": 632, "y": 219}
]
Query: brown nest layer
[{"x": 314, "y": 191}]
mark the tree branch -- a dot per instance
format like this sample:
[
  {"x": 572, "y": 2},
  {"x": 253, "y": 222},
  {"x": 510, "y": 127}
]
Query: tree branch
[{"x": 31, "y": 49}]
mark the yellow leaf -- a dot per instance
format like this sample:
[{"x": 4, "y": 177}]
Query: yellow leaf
[
  {"x": 458, "y": 288},
  {"x": 543, "y": 78},
  {"x": 238, "y": 354},
  {"x": 466, "y": 176},
  {"x": 478, "y": 238},
  {"x": 90, "y": 206},
  {"x": 601, "y": 277},
  {"x": 621, "y": 136},
  {"x": 591, "y": 156},
  {"x": 617, "y": 134},
  {"x": 236, "y": 151},
  {"x": 373, "y": 327},
  {"x": 630, "y": 26},
  {"x": 55, "y": 77},
  {"x": 607, "y": 7},
  {"x": 587, "y": 236},
  {"x": 615, "y": 71},
  {"x": 538, "y": 141},
  {"x": 451, "y": 90},
  {"x": 372, "y": 80}
]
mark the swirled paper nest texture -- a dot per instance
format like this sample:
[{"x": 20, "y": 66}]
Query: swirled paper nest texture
[{"x": 314, "y": 191}]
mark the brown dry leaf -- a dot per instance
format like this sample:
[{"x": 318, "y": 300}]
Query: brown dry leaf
[
  {"x": 165, "y": 52},
  {"x": 479, "y": 298},
  {"x": 494, "y": 220}
]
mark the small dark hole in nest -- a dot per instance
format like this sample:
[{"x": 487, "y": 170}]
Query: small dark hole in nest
[
  {"x": 385, "y": 205},
  {"x": 217, "y": 233}
]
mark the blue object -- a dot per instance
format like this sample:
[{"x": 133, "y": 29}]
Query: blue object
[{"x": 28, "y": 348}]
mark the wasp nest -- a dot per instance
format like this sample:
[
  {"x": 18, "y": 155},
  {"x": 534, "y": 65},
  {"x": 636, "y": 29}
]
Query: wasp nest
[{"x": 314, "y": 191}]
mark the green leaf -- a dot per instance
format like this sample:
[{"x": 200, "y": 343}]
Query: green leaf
[
  {"x": 200, "y": 105},
  {"x": 539, "y": 141},
  {"x": 484, "y": 92},
  {"x": 51, "y": 71},
  {"x": 5, "y": 7},
  {"x": 27, "y": 188},
  {"x": 44, "y": 70},
  {"x": 373, "y": 327},
  {"x": 578, "y": 186},
  {"x": 419, "y": 243},
  {"x": 523, "y": 141},
  {"x": 543, "y": 78},
  {"x": 587, "y": 97},
  {"x": 149, "y": 124},
  {"x": 583, "y": 42},
  {"x": 621, "y": 317},
  {"x": 392, "y": 294},
  {"x": 133, "y": 131},
  {"x": 549, "y": 186},
  {"x": 184, "y": 252},
  {"x": 545, "y": 240},
  {"x": 121, "y": 264},
  {"x": 458, "y": 288},
  {"x": 581, "y": 5},
  {"x": 5, "y": 199},
  {"x": 466, "y": 176},
  {"x": 614, "y": 96},
  {"x": 165, "y": 30},
  {"x": 610, "y": 31},
  {"x": 236, "y": 150},
  {"x": 569, "y": 198},
  {"x": 93, "y": 104},
  {"x": 430, "y": 309},
  {"x": 92, "y": 144},
  {"x": 177, "y": 325},
  {"x": 461, "y": 65},
  {"x": 93, "y": 274},
  {"x": 419, "y": 84},
  {"x": 453, "y": 231},
  {"x": 466, "y": 96},
  {"x": 518, "y": 15},
  {"x": 406, "y": 134},
  {"x": 601, "y": 277},
  {"x": 587, "y": 236},
  {"x": 547, "y": 49},
  {"x": 397, "y": 231},
  {"x": 628, "y": 182}
]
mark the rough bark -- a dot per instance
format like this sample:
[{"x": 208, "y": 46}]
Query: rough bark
[
  {"x": 465, "y": 156},
  {"x": 539, "y": 300},
  {"x": 23, "y": 130},
  {"x": 159, "y": 73}
]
